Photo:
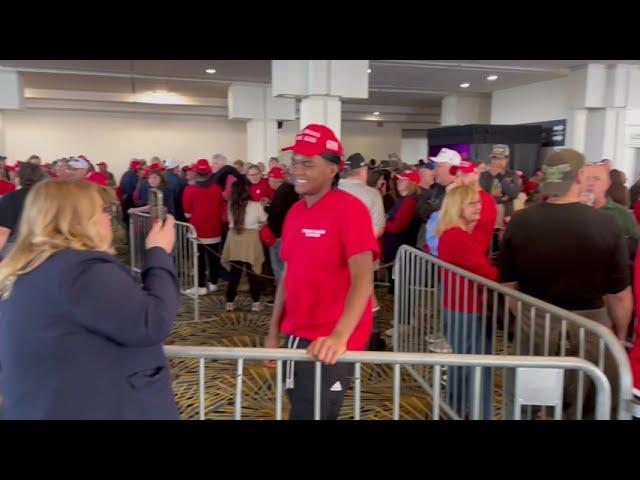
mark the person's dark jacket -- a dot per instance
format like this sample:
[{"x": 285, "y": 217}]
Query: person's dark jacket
[
  {"x": 634, "y": 193},
  {"x": 91, "y": 346},
  {"x": 128, "y": 183},
  {"x": 429, "y": 201},
  {"x": 220, "y": 177},
  {"x": 283, "y": 200},
  {"x": 177, "y": 185},
  {"x": 509, "y": 182}
]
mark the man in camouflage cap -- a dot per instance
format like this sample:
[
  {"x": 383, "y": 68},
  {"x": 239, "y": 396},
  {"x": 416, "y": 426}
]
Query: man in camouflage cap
[{"x": 500, "y": 182}]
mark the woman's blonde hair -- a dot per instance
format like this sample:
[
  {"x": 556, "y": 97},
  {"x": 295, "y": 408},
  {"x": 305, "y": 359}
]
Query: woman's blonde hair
[
  {"x": 57, "y": 215},
  {"x": 454, "y": 202}
]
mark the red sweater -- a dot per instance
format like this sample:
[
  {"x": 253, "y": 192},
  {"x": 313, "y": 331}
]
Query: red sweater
[
  {"x": 460, "y": 248},
  {"x": 483, "y": 231},
  {"x": 6, "y": 187},
  {"x": 403, "y": 217},
  {"x": 260, "y": 190},
  {"x": 204, "y": 206}
]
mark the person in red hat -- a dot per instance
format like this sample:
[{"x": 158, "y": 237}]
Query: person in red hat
[
  {"x": 323, "y": 301},
  {"x": 203, "y": 206},
  {"x": 284, "y": 198},
  {"x": 402, "y": 223},
  {"x": 104, "y": 170}
]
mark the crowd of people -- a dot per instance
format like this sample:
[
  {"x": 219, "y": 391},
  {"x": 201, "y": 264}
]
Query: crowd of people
[{"x": 314, "y": 232}]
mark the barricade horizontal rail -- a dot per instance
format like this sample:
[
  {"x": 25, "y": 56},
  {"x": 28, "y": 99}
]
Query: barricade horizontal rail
[
  {"x": 185, "y": 254},
  {"x": 440, "y": 307},
  {"x": 437, "y": 361}
]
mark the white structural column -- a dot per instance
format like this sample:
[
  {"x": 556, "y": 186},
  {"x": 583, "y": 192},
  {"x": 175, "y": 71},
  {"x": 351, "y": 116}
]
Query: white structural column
[
  {"x": 605, "y": 115},
  {"x": 321, "y": 85},
  {"x": 465, "y": 110},
  {"x": 11, "y": 98},
  {"x": 254, "y": 102}
]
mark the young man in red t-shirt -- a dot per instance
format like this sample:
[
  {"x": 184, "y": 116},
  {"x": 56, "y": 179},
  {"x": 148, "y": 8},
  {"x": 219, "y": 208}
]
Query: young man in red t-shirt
[
  {"x": 203, "y": 207},
  {"x": 323, "y": 300}
]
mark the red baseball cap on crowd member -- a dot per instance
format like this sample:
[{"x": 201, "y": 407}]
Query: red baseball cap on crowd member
[
  {"x": 277, "y": 172},
  {"x": 464, "y": 167},
  {"x": 316, "y": 139},
  {"x": 156, "y": 167},
  {"x": 101, "y": 163},
  {"x": 202, "y": 167},
  {"x": 11, "y": 168},
  {"x": 135, "y": 164},
  {"x": 410, "y": 175}
]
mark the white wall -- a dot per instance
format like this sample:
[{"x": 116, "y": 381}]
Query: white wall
[
  {"x": 535, "y": 102},
  {"x": 117, "y": 137}
]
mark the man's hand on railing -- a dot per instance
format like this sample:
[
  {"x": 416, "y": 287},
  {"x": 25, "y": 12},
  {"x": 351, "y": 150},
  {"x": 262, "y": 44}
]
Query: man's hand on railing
[
  {"x": 271, "y": 341},
  {"x": 327, "y": 349}
]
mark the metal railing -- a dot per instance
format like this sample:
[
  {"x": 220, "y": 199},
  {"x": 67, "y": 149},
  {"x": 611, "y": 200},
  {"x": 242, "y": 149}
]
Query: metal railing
[
  {"x": 185, "y": 254},
  {"x": 440, "y": 307},
  {"x": 522, "y": 364}
]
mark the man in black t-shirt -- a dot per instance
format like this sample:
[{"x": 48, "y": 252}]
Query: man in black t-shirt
[
  {"x": 570, "y": 255},
  {"x": 12, "y": 204}
]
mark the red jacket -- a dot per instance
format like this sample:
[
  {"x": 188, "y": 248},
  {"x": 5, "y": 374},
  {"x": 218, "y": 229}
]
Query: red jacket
[
  {"x": 6, "y": 187},
  {"x": 204, "y": 207},
  {"x": 460, "y": 248}
]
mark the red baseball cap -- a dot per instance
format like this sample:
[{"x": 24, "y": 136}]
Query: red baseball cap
[
  {"x": 11, "y": 168},
  {"x": 410, "y": 175},
  {"x": 156, "y": 166},
  {"x": 277, "y": 172},
  {"x": 135, "y": 164},
  {"x": 202, "y": 167},
  {"x": 101, "y": 163},
  {"x": 315, "y": 139},
  {"x": 464, "y": 167}
]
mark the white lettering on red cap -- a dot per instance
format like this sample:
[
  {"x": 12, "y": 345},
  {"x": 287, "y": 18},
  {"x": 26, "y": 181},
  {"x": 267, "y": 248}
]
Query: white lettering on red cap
[
  {"x": 331, "y": 145},
  {"x": 311, "y": 132},
  {"x": 310, "y": 233},
  {"x": 310, "y": 139}
]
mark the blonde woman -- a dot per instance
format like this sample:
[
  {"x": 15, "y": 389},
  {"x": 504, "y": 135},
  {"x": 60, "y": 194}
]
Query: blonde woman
[
  {"x": 463, "y": 323},
  {"x": 90, "y": 345}
]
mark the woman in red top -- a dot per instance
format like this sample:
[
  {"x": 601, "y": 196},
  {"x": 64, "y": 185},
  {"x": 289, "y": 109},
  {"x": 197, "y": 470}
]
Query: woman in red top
[
  {"x": 634, "y": 355},
  {"x": 259, "y": 189},
  {"x": 463, "y": 323}
]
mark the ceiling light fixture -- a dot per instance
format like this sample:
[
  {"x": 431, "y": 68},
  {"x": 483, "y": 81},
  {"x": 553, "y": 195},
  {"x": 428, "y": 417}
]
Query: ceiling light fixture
[
  {"x": 210, "y": 70},
  {"x": 376, "y": 113},
  {"x": 491, "y": 78},
  {"x": 465, "y": 85},
  {"x": 368, "y": 70}
]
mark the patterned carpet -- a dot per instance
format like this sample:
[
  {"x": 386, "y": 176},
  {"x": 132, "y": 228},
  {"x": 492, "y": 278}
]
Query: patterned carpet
[{"x": 243, "y": 328}]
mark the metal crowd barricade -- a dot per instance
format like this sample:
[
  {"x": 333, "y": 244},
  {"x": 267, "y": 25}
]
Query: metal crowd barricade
[
  {"x": 436, "y": 361},
  {"x": 185, "y": 254},
  {"x": 507, "y": 322}
]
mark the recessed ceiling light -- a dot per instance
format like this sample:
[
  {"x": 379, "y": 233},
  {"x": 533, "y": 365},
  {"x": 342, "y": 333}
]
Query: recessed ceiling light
[
  {"x": 376, "y": 113},
  {"x": 491, "y": 78},
  {"x": 465, "y": 85},
  {"x": 368, "y": 70},
  {"x": 210, "y": 70}
]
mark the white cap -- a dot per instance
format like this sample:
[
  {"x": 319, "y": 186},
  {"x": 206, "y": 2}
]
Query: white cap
[
  {"x": 78, "y": 163},
  {"x": 171, "y": 162},
  {"x": 449, "y": 156}
]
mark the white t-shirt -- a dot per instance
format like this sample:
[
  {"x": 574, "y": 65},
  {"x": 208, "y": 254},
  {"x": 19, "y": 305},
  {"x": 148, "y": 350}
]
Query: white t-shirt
[
  {"x": 367, "y": 195},
  {"x": 254, "y": 217}
]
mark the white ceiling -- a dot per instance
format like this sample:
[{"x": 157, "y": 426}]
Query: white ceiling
[{"x": 418, "y": 83}]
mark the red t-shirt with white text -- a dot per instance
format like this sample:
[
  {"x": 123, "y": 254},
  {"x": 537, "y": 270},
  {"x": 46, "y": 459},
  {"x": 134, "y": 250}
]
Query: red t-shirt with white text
[{"x": 317, "y": 243}]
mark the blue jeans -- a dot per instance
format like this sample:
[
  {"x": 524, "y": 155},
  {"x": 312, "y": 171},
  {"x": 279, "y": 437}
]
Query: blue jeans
[
  {"x": 464, "y": 333},
  {"x": 276, "y": 262}
]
